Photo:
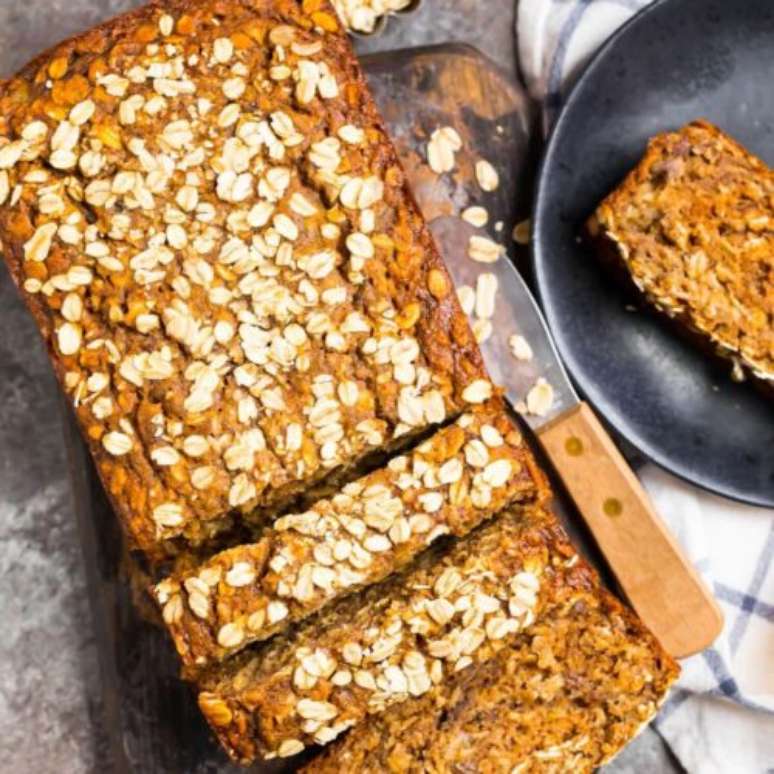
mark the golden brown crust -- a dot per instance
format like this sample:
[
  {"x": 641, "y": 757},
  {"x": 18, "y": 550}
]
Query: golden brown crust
[
  {"x": 202, "y": 330},
  {"x": 691, "y": 229},
  {"x": 458, "y": 478},
  {"x": 567, "y": 695},
  {"x": 399, "y": 640}
]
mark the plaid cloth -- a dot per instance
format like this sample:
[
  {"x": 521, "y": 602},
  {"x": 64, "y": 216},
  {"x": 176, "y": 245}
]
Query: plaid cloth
[{"x": 720, "y": 717}]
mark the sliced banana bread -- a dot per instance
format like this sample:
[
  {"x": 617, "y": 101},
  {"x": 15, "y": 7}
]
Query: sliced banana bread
[{"x": 692, "y": 228}]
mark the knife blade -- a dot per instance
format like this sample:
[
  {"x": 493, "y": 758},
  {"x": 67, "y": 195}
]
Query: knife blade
[
  {"x": 516, "y": 313},
  {"x": 521, "y": 316},
  {"x": 659, "y": 581}
]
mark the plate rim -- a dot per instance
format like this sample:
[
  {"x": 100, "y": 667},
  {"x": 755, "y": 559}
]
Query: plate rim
[{"x": 540, "y": 219}]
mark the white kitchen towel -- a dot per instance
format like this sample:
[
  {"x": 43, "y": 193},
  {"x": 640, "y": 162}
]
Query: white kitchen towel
[{"x": 720, "y": 717}]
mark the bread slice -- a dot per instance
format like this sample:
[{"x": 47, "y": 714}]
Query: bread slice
[
  {"x": 204, "y": 214},
  {"x": 566, "y": 694},
  {"x": 454, "y": 481},
  {"x": 405, "y": 638},
  {"x": 692, "y": 229}
]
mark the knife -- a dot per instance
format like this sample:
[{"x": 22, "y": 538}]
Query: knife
[{"x": 659, "y": 581}]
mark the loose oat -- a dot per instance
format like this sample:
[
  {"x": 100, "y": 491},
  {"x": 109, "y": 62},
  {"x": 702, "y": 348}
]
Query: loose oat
[
  {"x": 486, "y": 292},
  {"x": 487, "y": 175},
  {"x": 482, "y": 330},
  {"x": 520, "y": 347},
  {"x": 540, "y": 398},
  {"x": 443, "y": 144},
  {"x": 467, "y": 298},
  {"x": 476, "y": 216},
  {"x": 484, "y": 250},
  {"x": 362, "y": 15}
]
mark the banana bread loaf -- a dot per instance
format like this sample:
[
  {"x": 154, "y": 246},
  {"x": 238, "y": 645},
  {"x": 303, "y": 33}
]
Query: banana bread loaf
[
  {"x": 566, "y": 694},
  {"x": 454, "y": 607},
  {"x": 200, "y": 205},
  {"x": 457, "y": 479},
  {"x": 691, "y": 228}
]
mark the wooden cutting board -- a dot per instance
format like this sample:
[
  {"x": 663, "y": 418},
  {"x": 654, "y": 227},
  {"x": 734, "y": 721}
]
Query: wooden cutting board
[{"x": 151, "y": 718}]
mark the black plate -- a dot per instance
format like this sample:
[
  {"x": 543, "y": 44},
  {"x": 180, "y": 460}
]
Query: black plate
[{"x": 676, "y": 61}]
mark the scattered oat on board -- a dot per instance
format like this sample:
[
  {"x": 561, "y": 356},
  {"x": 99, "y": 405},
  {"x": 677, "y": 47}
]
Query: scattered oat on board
[
  {"x": 476, "y": 216},
  {"x": 444, "y": 143},
  {"x": 362, "y": 15},
  {"x": 487, "y": 175}
]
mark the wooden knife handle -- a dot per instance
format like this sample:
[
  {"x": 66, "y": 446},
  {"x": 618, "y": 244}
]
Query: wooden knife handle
[{"x": 661, "y": 584}]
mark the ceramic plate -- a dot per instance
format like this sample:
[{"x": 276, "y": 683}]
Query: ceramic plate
[{"x": 676, "y": 61}]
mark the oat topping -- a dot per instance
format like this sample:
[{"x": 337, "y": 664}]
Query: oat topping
[
  {"x": 478, "y": 392},
  {"x": 437, "y": 618},
  {"x": 565, "y": 695},
  {"x": 459, "y": 478},
  {"x": 213, "y": 228},
  {"x": 405, "y": 655}
]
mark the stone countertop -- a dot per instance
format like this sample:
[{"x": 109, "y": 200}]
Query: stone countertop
[{"x": 50, "y": 708}]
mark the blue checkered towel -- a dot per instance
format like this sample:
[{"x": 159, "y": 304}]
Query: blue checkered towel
[{"x": 720, "y": 718}]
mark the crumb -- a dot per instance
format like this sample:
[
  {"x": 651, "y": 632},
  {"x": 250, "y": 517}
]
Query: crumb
[{"x": 521, "y": 232}]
